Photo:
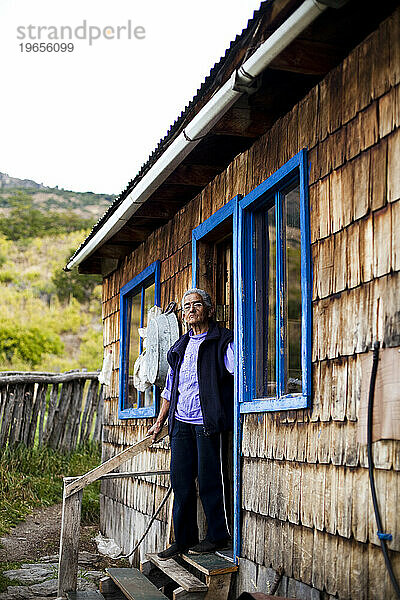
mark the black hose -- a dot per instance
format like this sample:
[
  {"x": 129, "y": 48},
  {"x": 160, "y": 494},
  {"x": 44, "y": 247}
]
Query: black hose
[
  {"x": 382, "y": 536},
  {"x": 146, "y": 531}
]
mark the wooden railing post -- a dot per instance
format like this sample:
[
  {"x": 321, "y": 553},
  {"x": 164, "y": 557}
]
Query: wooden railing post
[{"x": 69, "y": 542}]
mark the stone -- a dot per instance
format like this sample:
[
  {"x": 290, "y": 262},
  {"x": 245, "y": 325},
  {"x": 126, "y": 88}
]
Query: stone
[
  {"x": 84, "y": 559},
  {"x": 45, "y": 589},
  {"x": 47, "y": 559},
  {"x": 88, "y": 558},
  {"x": 32, "y": 573},
  {"x": 17, "y": 592},
  {"x": 41, "y": 580}
]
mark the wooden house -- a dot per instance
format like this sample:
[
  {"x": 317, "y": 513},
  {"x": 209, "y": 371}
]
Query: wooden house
[{"x": 278, "y": 190}]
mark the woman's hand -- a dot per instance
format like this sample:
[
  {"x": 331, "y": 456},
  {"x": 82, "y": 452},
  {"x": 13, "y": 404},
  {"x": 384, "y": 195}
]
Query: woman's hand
[
  {"x": 162, "y": 417},
  {"x": 156, "y": 428}
]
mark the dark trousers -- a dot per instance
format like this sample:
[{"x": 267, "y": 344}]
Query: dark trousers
[{"x": 194, "y": 454}]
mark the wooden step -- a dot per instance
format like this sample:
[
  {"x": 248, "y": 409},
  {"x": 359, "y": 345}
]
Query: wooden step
[
  {"x": 85, "y": 595},
  {"x": 183, "y": 578},
  {"x": 210, "y": 564},
  {"x": 134, "y": 584}
]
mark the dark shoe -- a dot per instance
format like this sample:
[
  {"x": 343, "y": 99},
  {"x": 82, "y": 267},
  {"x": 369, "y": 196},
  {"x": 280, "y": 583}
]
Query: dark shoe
[
  {"x": 205, "y": 547},
  {"x": 171, "y": 552}
]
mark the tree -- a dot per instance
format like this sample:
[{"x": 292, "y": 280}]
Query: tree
[
  {"x": 26, "y": 221},
  {"x": 71, "y": 283}
]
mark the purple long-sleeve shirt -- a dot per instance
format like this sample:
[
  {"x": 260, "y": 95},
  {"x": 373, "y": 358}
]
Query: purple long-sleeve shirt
[{"x": 188, "y": 408}]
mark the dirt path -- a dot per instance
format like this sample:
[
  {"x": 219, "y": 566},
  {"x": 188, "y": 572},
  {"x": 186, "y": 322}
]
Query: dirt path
[{"x": 39, "y": 536}]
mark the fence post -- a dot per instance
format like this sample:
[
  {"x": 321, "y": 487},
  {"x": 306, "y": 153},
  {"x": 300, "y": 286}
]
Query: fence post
[
  {"x": 23, "y": 398},
  {"x": 69, "y": 542}
]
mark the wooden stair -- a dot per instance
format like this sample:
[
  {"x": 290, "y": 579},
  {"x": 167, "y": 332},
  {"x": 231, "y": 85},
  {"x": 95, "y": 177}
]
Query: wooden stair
[
  {"x": 134, "y": 584},
  {"x": 189, "y": 577},
  {"x": 215, "y": 570},
  {"x": 210, "y": 564},
  {"x": 184, "y": 579}
]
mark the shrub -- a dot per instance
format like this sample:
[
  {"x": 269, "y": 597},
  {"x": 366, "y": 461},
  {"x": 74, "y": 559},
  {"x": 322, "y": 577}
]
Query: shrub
[
  {"x": 27, "y": 343},
  {"x": 8, "y": 277}
]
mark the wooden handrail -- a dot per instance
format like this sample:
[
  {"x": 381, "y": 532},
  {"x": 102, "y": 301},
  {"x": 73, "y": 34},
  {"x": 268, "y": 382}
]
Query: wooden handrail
[
  {"x": 71, "y": 511},
  {"x": 112, "y": 463},
  {"x": 120, "y": 475}
]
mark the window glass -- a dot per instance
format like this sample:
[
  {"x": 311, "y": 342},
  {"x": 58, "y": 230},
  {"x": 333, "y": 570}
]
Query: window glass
[
  {"x": 264, "y": 244},
  {"x": 148, "y": 301},
  {"x": 147, "y": 397},
  {"x": 134, "y": 312},
  {"x": 292, "y": 276}
]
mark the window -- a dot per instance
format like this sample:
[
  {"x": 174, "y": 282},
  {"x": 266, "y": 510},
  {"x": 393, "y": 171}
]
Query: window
[
  {"x": 213, "y": 251},
  {"x": 136, "y": 298},
  {"x": 275, "y": 278}
]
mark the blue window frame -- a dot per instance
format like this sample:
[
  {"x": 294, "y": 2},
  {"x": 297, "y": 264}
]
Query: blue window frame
[
  {"x": 136, "y": 298},
  {"x": 211, "y": 228},
  {"x": 274, "y": 292}
]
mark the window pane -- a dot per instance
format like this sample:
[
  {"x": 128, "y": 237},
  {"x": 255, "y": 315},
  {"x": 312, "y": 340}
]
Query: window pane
[
  {"x": 146, "y": 398},
  {"x": 265, "y": 302},
  {"x": 224, "y": 283},
  {"x": 291, "y": 215},
  {"x": 134, "y": 309},
  {"x": 148, "y": 301}
]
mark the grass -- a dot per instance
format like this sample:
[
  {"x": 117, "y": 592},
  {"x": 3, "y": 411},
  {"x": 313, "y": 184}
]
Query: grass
[{"x": 33, "y": 477}]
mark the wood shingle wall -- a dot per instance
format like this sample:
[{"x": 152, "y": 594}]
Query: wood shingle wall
[
  {"x": 306, "y": 500},
  {"x": 312, "y": 499}
]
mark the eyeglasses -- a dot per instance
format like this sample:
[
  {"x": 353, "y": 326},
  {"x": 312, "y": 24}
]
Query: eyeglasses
[{"x": 196, "y": 305}]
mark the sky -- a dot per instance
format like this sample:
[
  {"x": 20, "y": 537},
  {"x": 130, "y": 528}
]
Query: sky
[{"x": 87, "y": 120}]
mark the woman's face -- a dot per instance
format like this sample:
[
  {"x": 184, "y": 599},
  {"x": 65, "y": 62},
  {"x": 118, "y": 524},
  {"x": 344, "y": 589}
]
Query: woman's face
[{"x": 194, "y": 310}]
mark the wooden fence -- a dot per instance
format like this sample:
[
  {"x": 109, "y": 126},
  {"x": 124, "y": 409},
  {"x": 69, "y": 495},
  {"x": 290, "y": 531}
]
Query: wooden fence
[{"x": 58, "y": 410}]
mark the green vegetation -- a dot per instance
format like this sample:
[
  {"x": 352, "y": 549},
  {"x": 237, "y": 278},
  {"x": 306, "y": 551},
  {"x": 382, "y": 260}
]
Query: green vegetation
[
  {"x": 72, "y": 284},
  {"x": 51, "y": 320},
  {"x": 59, "y": 199},
  {"x": 33, "y": 477},
  {"x": 24, "y": 220},
  {"x": 27, "y": 343}
]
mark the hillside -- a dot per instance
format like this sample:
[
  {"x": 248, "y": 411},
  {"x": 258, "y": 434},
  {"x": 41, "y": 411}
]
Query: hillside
[
  {"x": 43, "y": 327},
  {"x": 83, "y": 204},
  {"x": 50, "y": 319}
]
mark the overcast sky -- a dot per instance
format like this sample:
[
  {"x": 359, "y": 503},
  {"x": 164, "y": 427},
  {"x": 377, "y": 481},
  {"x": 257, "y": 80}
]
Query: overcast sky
[{"x": 87, "y": 120}]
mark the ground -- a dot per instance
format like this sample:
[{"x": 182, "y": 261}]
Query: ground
[
  {"x": 29, "y": 561},
  {"x": 39, "y": 536}
]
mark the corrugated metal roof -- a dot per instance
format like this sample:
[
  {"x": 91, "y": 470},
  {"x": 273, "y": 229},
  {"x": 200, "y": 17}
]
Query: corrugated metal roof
[{"x": 214, "y": 77}]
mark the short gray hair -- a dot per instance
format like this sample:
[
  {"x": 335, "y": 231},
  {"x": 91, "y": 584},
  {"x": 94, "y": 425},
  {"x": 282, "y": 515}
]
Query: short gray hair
[{"x": 204, "y": 295}]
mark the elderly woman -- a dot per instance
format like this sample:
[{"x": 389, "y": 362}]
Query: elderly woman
[{"x": 198, "y": 400}]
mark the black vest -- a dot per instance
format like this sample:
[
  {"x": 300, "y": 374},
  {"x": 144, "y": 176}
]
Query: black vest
[{"x": 215, "y": 381}]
